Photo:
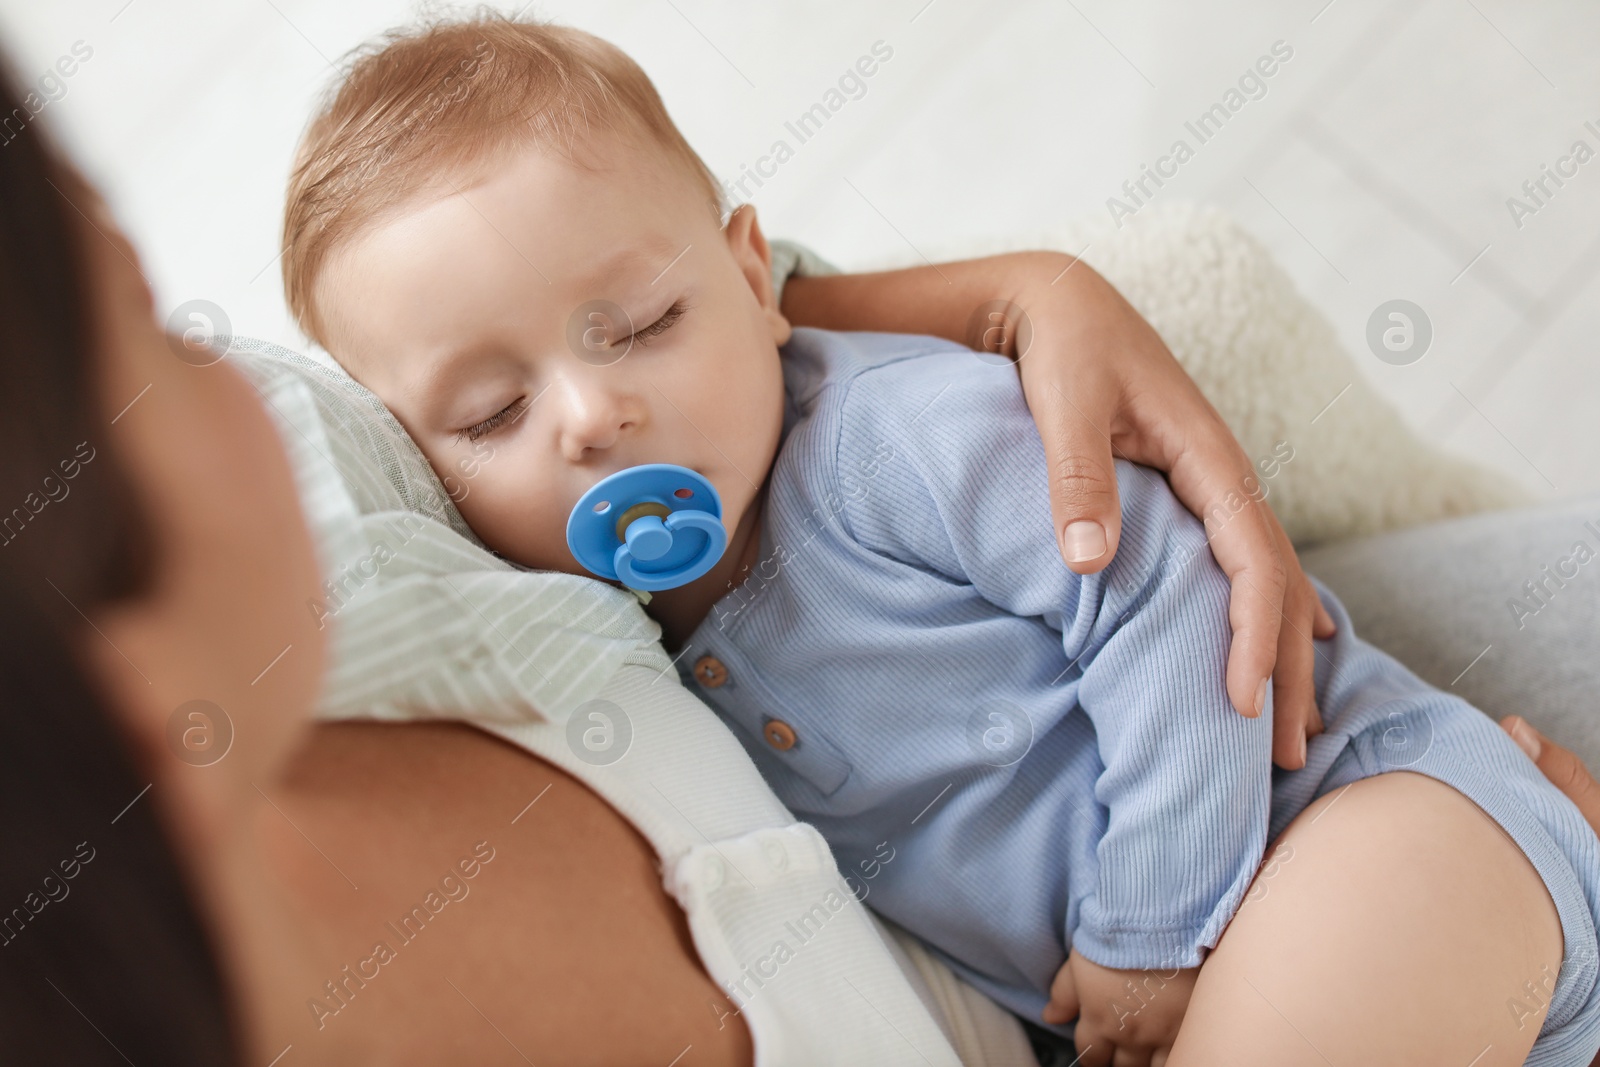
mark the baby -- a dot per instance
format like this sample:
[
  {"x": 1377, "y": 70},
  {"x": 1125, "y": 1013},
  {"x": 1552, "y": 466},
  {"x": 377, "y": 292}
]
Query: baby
[{"x": 496, "y": 227}]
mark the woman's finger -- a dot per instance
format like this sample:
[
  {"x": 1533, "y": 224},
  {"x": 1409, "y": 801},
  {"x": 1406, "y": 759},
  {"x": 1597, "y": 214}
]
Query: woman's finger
[
  {"x": 1084, "y": 505},
  {"x": 1306, "y": 621},
  {"x": 1294, "y": 709},
  {"x": 1324, "y": 627},
  {"x": 1562, "y": 766},
  {"x": 1296, "y": 717},
  {"x": 1215, "y": 480},
  {"x": 1144, "y": 407},
  {"x": 1247, "y": 552},
  {"x": 1321, "y": 627}
]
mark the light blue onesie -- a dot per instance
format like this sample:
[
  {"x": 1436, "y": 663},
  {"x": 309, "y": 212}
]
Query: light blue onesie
[{"x": 1008, "y": 758}]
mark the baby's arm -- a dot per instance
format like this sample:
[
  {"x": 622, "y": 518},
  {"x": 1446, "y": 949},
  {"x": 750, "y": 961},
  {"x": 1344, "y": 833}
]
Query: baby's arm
[
  {"x": 1184, "y": 791},
  {"x": 1186, "y": 783},
  {"x": 1169, "y": 805}
]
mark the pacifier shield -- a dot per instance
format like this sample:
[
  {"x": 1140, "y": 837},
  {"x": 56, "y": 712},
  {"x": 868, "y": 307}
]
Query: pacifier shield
[{"x": 654, "y": 526}]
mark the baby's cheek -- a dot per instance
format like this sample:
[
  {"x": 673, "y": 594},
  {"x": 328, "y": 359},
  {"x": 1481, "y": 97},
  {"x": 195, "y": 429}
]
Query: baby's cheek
[{"x": 514, "y": 515}]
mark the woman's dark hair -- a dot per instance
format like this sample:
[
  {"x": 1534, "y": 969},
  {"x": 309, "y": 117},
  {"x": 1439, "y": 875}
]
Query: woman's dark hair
[{"x": 103, "y": 956}]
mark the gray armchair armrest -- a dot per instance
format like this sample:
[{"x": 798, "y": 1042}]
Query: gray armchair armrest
[{"x": 1501, "y": 608}]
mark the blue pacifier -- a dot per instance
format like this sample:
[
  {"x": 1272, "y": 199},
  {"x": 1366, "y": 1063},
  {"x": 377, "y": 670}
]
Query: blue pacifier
[{"x": 654, "y": 526}]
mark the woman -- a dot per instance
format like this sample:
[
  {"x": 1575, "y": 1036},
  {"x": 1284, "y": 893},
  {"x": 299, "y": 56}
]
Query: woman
[{"x": 169, "y": 913}]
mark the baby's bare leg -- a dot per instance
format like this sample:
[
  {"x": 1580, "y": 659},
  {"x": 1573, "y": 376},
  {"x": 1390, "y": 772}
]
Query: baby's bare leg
[{"x": 1394, "y": 924}]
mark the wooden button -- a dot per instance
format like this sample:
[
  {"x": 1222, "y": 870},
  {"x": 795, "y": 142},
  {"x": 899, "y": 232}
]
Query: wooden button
[
  {"x": 780, "y": 735},
  {"x": 709, "y": 672}
]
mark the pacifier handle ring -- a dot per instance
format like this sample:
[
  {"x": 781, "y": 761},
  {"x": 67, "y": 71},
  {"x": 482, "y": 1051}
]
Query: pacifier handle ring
[
  {"x": 716, "y": 544},
  {"x": 648, "y": 538},
  {"x": 700, "y": 520}
]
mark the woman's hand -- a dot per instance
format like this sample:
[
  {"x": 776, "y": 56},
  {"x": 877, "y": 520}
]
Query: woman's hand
[
  {"x": 1101, "y": 383},
  {"x": 1561, "y": 765}
]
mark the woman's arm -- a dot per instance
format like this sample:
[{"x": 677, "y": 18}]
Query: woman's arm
[
  {"x": 1101, "y": 383},
  {"x": 564, "y": 945}
]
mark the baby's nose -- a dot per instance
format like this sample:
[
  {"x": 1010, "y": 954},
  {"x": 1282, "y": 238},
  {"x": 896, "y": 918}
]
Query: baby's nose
[{"x": 595, "y": 417}]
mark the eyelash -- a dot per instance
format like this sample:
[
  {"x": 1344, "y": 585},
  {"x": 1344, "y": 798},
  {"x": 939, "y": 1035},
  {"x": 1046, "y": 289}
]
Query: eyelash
[
  {"x": 505, "y": 416},
  {"x": 667, "y": 321},
  {"x": 512, "y": 411}
]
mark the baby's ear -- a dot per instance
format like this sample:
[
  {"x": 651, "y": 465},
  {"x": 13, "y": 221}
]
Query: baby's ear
[{"x": 751, "y": 252}]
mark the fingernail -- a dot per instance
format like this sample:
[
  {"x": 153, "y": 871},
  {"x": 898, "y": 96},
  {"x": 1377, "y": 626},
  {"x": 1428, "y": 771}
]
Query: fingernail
[
  {"x": 1302, "y": 750},
  {"x": 1083, "y": 541},
  {"x": 1261, "y": 696},
  {"x": 1527, "y": 739}
]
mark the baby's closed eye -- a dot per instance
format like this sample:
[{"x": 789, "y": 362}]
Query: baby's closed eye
[
  {"x": 667, "y": 321},
  {"x": 504, "y": 417}
]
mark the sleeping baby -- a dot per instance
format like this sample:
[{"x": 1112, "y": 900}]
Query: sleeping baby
[{"x": 496, "y": 227}]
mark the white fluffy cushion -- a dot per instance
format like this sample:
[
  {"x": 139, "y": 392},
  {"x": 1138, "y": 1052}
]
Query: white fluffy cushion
[{"x": 1270, "y": 362}]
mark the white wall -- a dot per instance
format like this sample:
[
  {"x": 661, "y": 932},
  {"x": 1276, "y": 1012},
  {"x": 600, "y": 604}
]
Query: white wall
[{"x": 1376, "y": 166}]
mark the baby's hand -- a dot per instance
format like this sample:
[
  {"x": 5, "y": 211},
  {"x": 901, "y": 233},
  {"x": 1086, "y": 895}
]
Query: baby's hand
[{"x": 1132, "y": 1015}]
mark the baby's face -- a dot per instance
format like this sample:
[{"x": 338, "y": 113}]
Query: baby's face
[{"x": 468, "y": 313}]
